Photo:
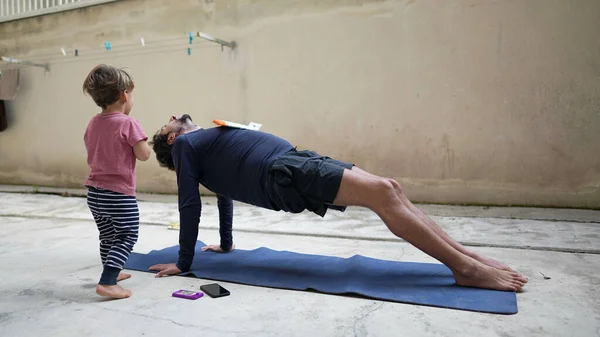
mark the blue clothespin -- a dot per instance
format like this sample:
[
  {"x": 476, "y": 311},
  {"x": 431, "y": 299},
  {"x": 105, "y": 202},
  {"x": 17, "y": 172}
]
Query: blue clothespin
[
  {"x": 107, "y": 46},
  {"x": 191, "y": 37}
]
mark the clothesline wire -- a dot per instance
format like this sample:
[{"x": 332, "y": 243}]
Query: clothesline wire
[
  {"x": 148, "y": 45},
  {"x": 62, "y": 61},
  {"x": 132, "y": 53}
]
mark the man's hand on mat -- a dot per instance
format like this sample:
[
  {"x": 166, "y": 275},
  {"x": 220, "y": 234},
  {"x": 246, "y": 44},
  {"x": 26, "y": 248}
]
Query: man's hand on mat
[
  {"x": 165, "y": 269},
  {"x": 217, "y": 248}
]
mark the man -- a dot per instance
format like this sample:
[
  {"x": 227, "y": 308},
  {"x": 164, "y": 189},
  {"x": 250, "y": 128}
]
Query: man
[{"x": 266, "y": 171}]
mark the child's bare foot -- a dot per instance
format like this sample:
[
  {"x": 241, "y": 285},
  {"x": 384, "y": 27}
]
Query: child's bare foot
[
  {"x": 483, "y": 276},
  {"x": 115, "y": 291},
  {"x": 123, "y": 276}
]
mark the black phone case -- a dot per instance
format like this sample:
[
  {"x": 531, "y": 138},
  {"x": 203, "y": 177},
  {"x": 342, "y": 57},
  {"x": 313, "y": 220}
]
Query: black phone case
[{"x": 206, "y": 291}]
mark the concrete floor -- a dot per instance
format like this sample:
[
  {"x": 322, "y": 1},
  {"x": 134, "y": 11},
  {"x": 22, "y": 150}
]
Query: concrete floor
[{"x": 50, "y": 264}]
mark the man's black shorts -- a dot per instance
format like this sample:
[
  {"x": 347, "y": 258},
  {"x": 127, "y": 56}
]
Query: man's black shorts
[{"x": 305, "y": 180}]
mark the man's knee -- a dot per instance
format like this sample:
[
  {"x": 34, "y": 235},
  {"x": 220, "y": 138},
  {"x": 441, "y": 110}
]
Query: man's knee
[
  {"x": 387, "y": 192},
  {"x": 396, "y": 186},
  {"x": 389, "y": 195}
]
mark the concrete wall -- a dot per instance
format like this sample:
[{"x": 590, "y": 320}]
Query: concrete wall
[{"x": 462, "y": 101}]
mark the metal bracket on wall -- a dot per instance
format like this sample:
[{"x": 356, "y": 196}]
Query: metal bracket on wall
[
  {"x": 20, "y": 63},
  {"x": 230, "y": 44}
]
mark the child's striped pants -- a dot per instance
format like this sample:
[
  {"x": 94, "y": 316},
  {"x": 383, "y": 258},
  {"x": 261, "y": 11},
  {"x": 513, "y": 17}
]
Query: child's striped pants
[{"x": 117, "y": 217}]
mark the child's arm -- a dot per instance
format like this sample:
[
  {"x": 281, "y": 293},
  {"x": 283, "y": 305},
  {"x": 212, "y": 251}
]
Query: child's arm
[
  {"x": 136, "y": 137},
  {"x": 142, "y": 150}
]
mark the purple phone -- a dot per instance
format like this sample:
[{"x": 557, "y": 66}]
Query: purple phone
[{"x": 188, "y": 294}]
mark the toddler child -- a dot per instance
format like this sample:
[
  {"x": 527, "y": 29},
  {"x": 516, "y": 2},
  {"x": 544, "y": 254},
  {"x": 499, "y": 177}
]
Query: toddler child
[{"x": 113, "y": 141}]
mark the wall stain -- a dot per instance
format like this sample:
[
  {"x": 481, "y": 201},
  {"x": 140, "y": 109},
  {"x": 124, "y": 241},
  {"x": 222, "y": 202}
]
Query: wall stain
[{"x": 448, "y": 160}]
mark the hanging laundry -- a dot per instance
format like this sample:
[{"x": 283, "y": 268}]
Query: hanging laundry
[
  {"x": 3, "y": 117},
  {"x": 9, "y": 84}
]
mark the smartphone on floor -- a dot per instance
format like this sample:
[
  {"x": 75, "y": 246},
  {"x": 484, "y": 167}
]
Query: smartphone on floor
[
  {"x": 187, "y": 294},
  {"x": 214, "y": 290}
]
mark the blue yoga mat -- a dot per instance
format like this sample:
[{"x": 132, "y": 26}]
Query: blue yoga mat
[{"x": 407, "y": 282}]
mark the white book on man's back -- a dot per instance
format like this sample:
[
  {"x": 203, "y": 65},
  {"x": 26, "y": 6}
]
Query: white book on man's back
[{"x": 250, "y": 126}]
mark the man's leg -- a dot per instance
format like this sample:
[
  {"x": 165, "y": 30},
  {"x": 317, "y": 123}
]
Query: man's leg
[
  {"x": 439, "y": 231},
  {"x": 380, "y": 195}
]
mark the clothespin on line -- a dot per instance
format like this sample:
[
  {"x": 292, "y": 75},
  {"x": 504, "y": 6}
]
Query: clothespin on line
[{"x": 250, "y": 126}]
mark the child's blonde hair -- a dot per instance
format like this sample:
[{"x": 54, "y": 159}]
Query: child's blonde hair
[{"x": 106, "y": 83}]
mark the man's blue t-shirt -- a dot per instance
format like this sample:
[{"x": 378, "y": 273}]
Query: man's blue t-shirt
[{"x": 233, "y": 164}]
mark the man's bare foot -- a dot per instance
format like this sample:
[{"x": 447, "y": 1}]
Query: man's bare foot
[
  {"x": 497, "y": 264},
  {"x": 486, "y": 277},
  {"x": 115, "y": 291},
  {"x": 123, "y": 276}
]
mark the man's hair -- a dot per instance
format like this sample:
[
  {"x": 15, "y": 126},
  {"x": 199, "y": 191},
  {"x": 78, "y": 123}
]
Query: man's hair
[
  {"x": 161, "y": 147},
  {"x": 106, "y": 83}
]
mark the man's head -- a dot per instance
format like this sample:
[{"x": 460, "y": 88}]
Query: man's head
[
  {"x": 163, "y": 140},
  {"x": 110, "y": 86}
]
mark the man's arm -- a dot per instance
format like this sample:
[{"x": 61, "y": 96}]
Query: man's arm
[
  {"x": 225, "y": 222},
  {"x": 190, "y": 205},
  {"x": 225, "y": 226},
  {"x": 189, "y": 209}
]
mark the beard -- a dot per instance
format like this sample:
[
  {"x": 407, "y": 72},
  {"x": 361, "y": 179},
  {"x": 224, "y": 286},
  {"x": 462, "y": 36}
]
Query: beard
[{"x": 185, "y": 118}]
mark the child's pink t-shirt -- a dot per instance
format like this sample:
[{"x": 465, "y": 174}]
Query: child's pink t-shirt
[{"x": 109, "y": 140}]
